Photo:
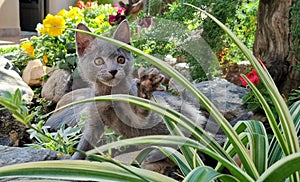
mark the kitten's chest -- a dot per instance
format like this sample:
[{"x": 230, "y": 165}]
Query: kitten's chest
[{"x": 112, "y": 115}]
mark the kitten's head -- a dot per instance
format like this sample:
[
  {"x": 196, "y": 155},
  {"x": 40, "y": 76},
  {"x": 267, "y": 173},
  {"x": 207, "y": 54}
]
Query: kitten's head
[{"x": 100, "y": 61}]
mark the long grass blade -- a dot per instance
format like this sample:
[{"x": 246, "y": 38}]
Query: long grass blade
[
  {"x": 169, "y": 152},
  {"x": 280, "y": 105},
  {"x": 275, "y": 152},
  {"x": 193, "y": 160},
  {"x": 79, "y": 170},
  {"x": 258, "y": 141},
  {"x": 282, "y": 169},
  {"x": 207, "y": 174}
]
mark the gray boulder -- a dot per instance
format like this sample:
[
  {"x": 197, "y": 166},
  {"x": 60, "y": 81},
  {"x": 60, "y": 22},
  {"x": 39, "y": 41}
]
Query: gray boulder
[
  {"x": 17, "y": 155},
  {"x": 57, "y": 85},
  {"x": 226, "y": 96},
  {"x": 10, "y": 80},
  {"x": 60, "y": 83},
  {"x": 6, "y": 63}
]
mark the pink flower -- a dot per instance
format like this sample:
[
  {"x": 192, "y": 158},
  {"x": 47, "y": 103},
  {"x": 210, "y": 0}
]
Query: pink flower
[
  {"x": 111, "y": 19},
  {"x": 114, "y": 20},
  {"x": 121, "y": 10},
  {"x": 252, "y": 76}
]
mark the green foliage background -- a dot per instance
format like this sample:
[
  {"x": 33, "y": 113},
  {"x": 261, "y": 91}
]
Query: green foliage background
[{"x": 295, "y": 30}]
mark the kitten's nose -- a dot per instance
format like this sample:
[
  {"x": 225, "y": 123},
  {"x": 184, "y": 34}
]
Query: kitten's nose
[{"x": 113, "y": 72}]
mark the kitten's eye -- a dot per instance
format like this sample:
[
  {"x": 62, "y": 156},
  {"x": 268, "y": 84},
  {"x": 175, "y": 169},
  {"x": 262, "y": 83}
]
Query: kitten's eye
[
  {"x": 99, "y": 61},
  {"x": 121, "y": 59}
]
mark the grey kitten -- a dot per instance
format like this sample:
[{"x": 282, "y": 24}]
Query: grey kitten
[{"x": 108, "y": 69}]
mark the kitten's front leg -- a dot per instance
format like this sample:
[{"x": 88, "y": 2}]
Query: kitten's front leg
[
  {"x": 149, "y": 81},
  {"x": 93, "y": 129}
]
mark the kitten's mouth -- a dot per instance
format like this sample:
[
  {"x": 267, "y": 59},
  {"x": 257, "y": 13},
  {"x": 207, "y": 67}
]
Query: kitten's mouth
[{"x": 110, "y": 82}]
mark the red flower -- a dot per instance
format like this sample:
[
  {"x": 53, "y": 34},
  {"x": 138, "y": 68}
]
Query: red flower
[
  {"x": 80, "y": 4},
  {"x": 252, "y": 76},
  {"x": 89, "y": 4}
]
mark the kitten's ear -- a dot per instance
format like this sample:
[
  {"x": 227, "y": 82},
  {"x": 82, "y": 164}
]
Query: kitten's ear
[
  {"x": 123, "y": 32},
  {"x": 83, "y": 40}
]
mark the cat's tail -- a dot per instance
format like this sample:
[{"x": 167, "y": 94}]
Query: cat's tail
[{"x": 69, "y": 116}]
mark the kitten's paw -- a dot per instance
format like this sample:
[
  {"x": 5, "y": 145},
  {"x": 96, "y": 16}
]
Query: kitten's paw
[{"x": 149, "y": 81}]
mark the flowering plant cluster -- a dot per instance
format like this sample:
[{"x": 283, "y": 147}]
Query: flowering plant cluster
[
  {"x": 252, "y": 76},
  {"x": 55, "y": 43},
  {"x": 250, "y": 99}
]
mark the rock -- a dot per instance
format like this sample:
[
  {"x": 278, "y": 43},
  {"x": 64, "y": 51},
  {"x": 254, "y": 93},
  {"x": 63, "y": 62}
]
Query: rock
[
  {"x": 34, "y": 72},
  {"x": 6, "y": 64},
  {"x": 17, "y": 155},
  {"x": 72, "y": 114},
  {"x": 57, "y": 85},
  {"x": 226, "y": 96},
  {"x": 11, "y": 81}
]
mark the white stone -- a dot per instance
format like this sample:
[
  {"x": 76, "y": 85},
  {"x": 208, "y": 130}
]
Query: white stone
[{"x": 34, "y": 72}]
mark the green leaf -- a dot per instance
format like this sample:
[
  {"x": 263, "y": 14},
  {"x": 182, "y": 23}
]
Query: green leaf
[
  {"x": 253, "y": 134},
  {"x": 8, "y": 104},
  {"x": 282, "y": 169},
  {"x": 169, "y": 152},
  {"x": 79, "y": 170},
  {"x": 17, "y": 97},
  {"x": 275, "y": 152},
  {"x": 193, "y": 160},
  {"x": 205, "y": 173},
  {"x": 258, "y": 143}
]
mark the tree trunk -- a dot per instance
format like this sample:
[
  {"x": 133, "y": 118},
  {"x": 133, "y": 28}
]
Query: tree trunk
[{"x": 273, "y": 43}]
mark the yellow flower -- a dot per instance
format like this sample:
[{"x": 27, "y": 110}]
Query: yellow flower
[
  {"x": 45, "y": 58},
  {"x": 62, "y": 13},
  {"x": 99, "y": 19},
  {"x": 28, "y": 47},
  {"x": 53, "y": 25},
  {"x": 74, "y": 13}
]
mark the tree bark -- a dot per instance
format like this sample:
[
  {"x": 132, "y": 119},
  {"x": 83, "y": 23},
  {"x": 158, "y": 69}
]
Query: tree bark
[{"x": 273, "y": 43}]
